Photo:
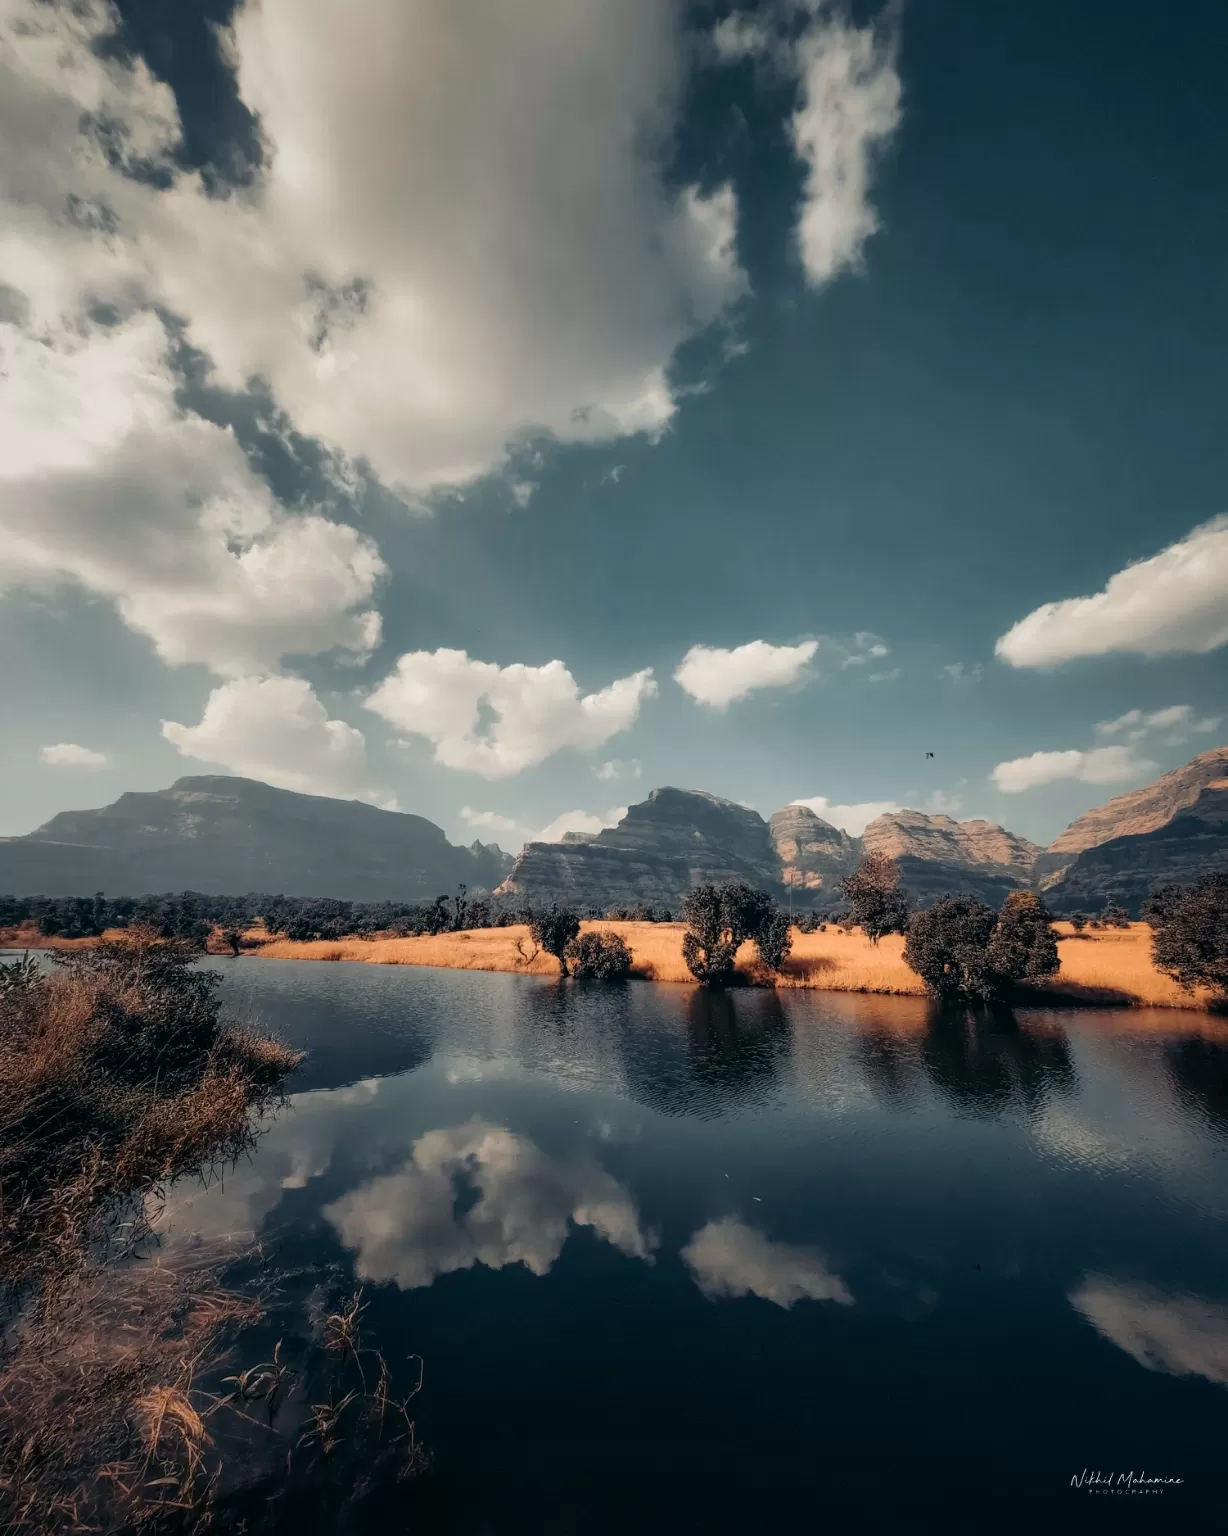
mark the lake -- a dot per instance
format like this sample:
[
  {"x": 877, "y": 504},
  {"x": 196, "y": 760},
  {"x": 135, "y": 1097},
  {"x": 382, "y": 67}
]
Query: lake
[{"x": 688, "y": 1262}]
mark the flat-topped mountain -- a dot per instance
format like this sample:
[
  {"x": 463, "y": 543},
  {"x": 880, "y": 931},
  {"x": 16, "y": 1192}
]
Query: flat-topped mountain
[
  {"x": 917, "y": 835},
  {"x": 1192, "y": 843},
  {"x": 663, "y": 846},
  {"x": 1146, "y": 809},
  {"x": 813, "y": 854},
  {"x": 221, "y": 835}
]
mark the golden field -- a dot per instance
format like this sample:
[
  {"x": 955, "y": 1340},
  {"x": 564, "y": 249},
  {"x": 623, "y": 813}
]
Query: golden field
[{"x": 1110, "y": 966}]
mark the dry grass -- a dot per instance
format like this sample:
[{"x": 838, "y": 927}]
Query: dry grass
[{"x": 1110, "y": 965}]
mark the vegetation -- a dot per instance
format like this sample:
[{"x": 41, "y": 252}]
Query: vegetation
[
  {"x": 964, "y": 950},
  {"x": 555, "y": 930},
  {"x": 878, "y": 905},
  {"x": 1189, "y": 928},
  {"x": 598, "y": 956},
  {"x": 1114, "y": 916},
  {"x": 720, "y": 919}
]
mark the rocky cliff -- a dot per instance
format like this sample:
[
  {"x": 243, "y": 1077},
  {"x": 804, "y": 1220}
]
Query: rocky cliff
[
  {"x": 228, "y": 836},
  {"x": 812, "y": 854},
  {"x": 1192, "y": 843},
  {"x": 675, "y": 839},
  {"x": 940, "y": 839}
]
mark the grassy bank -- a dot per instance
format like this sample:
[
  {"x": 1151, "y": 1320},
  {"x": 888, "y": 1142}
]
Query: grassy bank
[{"x": 1111, "y": 965}]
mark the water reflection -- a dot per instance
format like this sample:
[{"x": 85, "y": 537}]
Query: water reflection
[
  {"x": 480, "y": 1194},
  {"x": 1180, "y": 1335},
  {"x": 984, "y": 1061},
  {"x": 728, "y": 1258},
  {"x": 1198, "y": 1067}
]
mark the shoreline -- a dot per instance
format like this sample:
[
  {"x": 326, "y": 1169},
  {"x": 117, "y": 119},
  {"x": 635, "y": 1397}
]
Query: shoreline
[{"x": 1105, "y": 968}]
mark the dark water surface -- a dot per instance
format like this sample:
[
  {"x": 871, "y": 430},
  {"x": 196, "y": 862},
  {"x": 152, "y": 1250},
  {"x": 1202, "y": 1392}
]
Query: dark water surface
[{"x": 683, "y": 1262}]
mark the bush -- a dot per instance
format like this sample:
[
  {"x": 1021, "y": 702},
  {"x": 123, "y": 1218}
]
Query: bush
[
  {"x": 873, "y": 892},
  {"x": 1115, "y": 917},
  {"x": 1189, "y": 933},
  {"x": 1024, "y": 944},
  {"x": 554, "y": 930},
  {"x": 720, "y": 919},
  {"x": 599, "y": 957},
  {"x": 1078, "y": 921}
]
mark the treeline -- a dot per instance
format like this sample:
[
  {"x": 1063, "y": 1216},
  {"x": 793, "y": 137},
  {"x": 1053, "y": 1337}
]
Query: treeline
[{"x": 193, "y": 916}]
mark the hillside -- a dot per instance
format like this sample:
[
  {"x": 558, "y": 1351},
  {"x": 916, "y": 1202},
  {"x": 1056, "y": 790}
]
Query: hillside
[
  {"x": 222, "y": 835},
  {"x": 663, "y": 846}
]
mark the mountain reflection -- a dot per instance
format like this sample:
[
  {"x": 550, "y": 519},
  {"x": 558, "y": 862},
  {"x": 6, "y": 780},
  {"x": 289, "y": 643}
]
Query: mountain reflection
[{"x": 984, "y": 1061}]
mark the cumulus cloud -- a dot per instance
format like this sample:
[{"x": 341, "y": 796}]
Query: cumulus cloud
[
  {"x": 490, "y": 821},
  {"x": 277, "y": 730},
  {"x": 854, "y": 819},
  {"x": 728, "y": 1258},
  {"x": 619, "y": 768},
  {"x": 1177, "y": 601},
  {"x": 67, "y": 754},
  {"x": 1180, "y": 1335},
  {"x": 441, "y": 695},
  {"x": 579, "y": 821},
  {"x": 719, "y": 677},
  {"x": 1099, "y": 765},
  {"x": 848, "y": 108},
  {"x": 421, "y": 273},
  {"x": 1179, "y": 719},
  {"x": 520, "y": 1206}
]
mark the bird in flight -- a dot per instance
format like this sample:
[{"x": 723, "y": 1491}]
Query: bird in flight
[{"x": 929, "y": 754}]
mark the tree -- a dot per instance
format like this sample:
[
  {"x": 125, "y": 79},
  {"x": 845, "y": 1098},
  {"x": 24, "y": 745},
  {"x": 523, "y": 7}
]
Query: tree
[
  {"x": 873, "y": 892},
  {"x": 599, "y": 957},
  {"x": 1023, "y": 943},
  {"x": 1115, "y": 916},
  {"x": 553, "y": 930},
  {"x": 232, "y": 938},
  {"x": 720, "y": 919},
  {"x": 1189, "y": 933},
  {"x": 1078, "y": 921}
]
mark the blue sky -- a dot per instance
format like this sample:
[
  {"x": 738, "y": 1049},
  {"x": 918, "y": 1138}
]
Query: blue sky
[{"x": 358, "y": 372}]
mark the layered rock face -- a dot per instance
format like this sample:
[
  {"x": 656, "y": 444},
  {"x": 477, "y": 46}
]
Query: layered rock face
[
  {"x": 220, "y": 836},
  {"x": 1144, "y": 810},
  {"x": 1193, "y": 843},
  {"x": 676, "y": 839},
  {"x": 939, "y": 839},
  {"x": 813, "y": 855}
]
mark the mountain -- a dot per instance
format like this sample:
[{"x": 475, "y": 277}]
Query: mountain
[
  {"x": 938, "y": 856},
  {"x": 663, "y": 846},
  {"x": 1192, "y": 843},
  {"x": 813, "y": 855},
  {"x": 223, "y": 836},
  {"x": 1133, "y": 814}
]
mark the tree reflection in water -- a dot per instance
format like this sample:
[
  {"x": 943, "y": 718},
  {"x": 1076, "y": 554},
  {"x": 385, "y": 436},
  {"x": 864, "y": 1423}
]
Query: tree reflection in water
[
  {"x": 1198, "y": 1068},
  {"x": 737, "y": 1045},
  {"x": 984, "y": 1061}
]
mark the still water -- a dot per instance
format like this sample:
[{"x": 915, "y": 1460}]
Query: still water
[{"x": 693, "y": 1263}]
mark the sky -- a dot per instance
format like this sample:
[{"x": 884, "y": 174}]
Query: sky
[{"x": 495, "y": 413}]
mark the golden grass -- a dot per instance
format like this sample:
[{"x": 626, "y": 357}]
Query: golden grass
[{"x": 1110, "y": 965}]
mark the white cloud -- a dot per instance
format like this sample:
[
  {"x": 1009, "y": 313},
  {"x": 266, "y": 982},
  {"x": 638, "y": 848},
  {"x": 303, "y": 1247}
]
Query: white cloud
[
  {"x": 959, "y": 673},
  {"x": 276, "y": 729},
  {"x": 409, "y": 1227},
  {"x": 719, "y": 677},
  {"x": 490, "y": 821},
  {"x": 67, "y": 754},
  {"x": 889, "y": 676},
  {"x": 1176, "y": 601},
  {"x": 440, "y": 695},
  {"x": 848, "y": 107},
  {"x": 942, "y": 804},
  {"x": 113, "y": 488},
  {"x": 1179, "y": 1335},
  {"x": 1179, "y": 719},
  {"x": 421, "y": 273},
  {"x": 619, "y": 768},
  {"x": 579, "y": 821},
  {"x": 1100, "y": 765},
  {"x": 728, "y": 1258},
  {"x": 854, "y": 819}
]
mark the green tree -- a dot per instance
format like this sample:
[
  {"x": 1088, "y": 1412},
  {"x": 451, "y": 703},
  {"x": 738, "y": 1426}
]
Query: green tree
[
  {"x": 720, "y": 919},
  {"x": 1189, "y": 933},
  {"x": 873, "y": 893},
  {"x": 1023, "y": 944},
  {"x": 597, "y": 956},
  {"x": 554, "y": 930}
]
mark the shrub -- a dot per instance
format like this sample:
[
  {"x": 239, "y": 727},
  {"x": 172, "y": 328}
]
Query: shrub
[
  {"x": 1024, "y": 944},
  {"x": 1078, "y": 921},
  {"x": 599, "y": 957},
  {"x": 873, "y": 892},
  {"x": 720, "y": 919},
  {"x": 1189, "y": 933},
  {"x": 553, "y": 930},
  {"x": 1115, "y": 916}
]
